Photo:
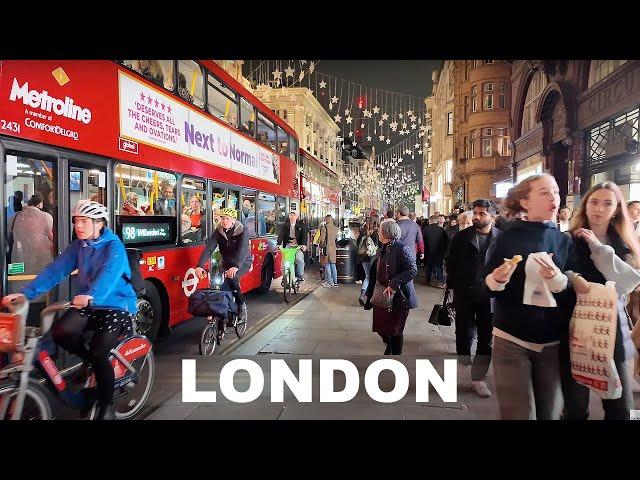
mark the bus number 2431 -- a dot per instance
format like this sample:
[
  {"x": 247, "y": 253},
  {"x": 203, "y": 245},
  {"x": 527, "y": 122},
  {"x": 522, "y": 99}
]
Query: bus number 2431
[{"x": 11, "y": 126}]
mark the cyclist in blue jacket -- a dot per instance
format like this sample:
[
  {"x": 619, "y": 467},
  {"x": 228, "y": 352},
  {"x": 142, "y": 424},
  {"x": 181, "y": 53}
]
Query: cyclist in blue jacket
[{"x": 105, "y": 301}]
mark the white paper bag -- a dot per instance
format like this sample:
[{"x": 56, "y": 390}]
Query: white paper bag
[{"x": 592, "y": 338}]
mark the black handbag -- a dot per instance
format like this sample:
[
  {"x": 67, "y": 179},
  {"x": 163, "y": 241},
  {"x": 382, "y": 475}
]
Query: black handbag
[{"x": 443, "y": 314}]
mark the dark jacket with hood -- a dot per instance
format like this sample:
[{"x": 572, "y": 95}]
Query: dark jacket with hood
[
  {"x": 302, "y": 233},
  {"x": 233, "y": 244}
]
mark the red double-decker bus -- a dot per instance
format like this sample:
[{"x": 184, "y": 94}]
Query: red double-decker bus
[{"x": 164, "y": 144}]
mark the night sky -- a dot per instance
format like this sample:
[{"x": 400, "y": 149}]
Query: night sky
[{"x": 404, "y": 76}]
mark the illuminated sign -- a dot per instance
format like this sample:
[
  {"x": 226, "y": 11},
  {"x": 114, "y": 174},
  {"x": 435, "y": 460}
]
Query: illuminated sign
[{"x": 147, "y": 232}]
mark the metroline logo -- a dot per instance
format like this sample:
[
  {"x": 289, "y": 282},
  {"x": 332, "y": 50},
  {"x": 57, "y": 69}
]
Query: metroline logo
[{"x": 43, "y": 101}]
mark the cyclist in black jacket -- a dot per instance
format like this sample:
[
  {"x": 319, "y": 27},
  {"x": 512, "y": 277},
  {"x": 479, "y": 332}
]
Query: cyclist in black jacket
[{"x": 232, "y": 239}]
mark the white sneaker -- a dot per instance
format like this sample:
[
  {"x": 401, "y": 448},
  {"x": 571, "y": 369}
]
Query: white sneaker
[
  {"x": 325, "y": 284},
  {"x": 359, "y": 282},
  {"x": 481, "y": 388}
]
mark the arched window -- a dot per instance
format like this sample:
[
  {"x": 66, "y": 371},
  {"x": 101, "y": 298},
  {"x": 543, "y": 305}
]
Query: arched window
[
  {"x": 601, "y": 68},
  {"x": 536, "y": 87}
]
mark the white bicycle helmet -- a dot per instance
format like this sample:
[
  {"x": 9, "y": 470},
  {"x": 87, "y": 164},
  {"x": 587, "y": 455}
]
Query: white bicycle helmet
[{"x": 90, "y": 209}]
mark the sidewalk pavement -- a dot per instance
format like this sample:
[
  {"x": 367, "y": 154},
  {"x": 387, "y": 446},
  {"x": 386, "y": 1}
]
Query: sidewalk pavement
[{"x": 329, "y": 323}]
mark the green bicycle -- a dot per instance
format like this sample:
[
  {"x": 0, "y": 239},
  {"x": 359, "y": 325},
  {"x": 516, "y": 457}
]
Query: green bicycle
[{"x": 289, "y": 280}]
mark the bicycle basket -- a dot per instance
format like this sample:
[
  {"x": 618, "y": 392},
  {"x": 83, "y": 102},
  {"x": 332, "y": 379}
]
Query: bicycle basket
[
  {"x": 11, "y": 332},
  {"x": 209, "y": 302}
]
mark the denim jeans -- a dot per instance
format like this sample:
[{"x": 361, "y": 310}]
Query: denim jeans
[
  {"x": 331, "y": 274},
  {"x": 527, "y": 382},
  {"x": 365, "y": 283},
  {"x": 299, "y": 263}
]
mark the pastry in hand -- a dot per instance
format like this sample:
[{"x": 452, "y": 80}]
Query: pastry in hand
[{"x": 516, "y": 259}]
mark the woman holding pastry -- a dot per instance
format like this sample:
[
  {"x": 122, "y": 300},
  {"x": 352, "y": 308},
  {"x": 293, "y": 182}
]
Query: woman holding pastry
[
  {"x": 524, "y": 274},
  {"x": 605, "y": 249}
]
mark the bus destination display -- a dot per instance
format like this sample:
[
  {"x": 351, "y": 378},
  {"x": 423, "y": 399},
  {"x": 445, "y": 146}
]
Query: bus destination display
[{"x": 145, "y": 232}]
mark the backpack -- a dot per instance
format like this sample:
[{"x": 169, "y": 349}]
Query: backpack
[
  {"x": 137, "y": 282},
  {"x": 367, "y": 247}
]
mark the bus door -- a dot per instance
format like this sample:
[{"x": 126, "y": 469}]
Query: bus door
[
  {"x": 30, "y": 220},
  {"x": 86, "y": 180}
]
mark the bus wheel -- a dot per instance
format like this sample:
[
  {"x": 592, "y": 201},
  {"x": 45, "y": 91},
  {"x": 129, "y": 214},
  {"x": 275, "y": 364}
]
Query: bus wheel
[
  {"x": 149, "y": 313},
  {"x": 267, "y": 275}
]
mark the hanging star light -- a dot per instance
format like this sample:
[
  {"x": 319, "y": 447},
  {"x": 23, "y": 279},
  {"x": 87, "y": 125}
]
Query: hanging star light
[
  {"x": 348, "y": 119},
  {"x": 413, "y": 126},
  {"x": 404, "y": 125},
  {"x": 350, "y": 133},
  {"x": 337, "y": 118},
  {"x": 381, "y": 122},
  {"x": 381, "y": 137},
  {"x": 388, "y": 141},
  {"x": 289, "y": 71},
  {"x": 410, "y": 112},
  {"x": 394, "y": 126},
  {"x": 420, "y": 152},
  {"x": 277, "y": 74},
  {"x": 323, "y": 84},
  {"x": 312, "y": 67},
  {"x": 376, "y": 109},
  {"x": 301, "y": 76},
  {"x": 347, "y": 111},
  {"x": 385, "y": 116},
  {"x": 368, "y": 138},
  {"x": 413, "y": 118},
  {"x": 334, "y": 99},
  {"x": 362, "y": 125},
  {"x": 366, "y": 113}
]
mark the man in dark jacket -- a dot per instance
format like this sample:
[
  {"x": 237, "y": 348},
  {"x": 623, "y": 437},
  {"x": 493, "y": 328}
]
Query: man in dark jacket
[
  {"x": 465, "y": 267},
  {"x": 411, "y": 234},
  {"x": 435, "y": 239},
  {"x": 293, "y": 233},
  {"x": 232, "y": 238}
]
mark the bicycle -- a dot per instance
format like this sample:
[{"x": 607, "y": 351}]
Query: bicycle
[
  {"x": 22, "y": 396},
  {"x": 219, "y": 306},
  {"x": 289, "y": 280}
]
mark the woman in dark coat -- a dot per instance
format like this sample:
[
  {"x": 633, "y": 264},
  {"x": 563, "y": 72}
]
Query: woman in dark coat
[{"x": 392, "y": 270}]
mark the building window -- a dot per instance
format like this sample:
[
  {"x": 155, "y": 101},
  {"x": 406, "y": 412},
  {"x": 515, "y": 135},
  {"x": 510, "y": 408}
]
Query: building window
[
  {"x": 536, "y": 87},
  {"x": 473, "y": 144},
  {"x": 465, "y": 146},
  {"x": 488, "y": 102},
  {"x": 488, "y": 87},
  {"x": 502, "y": 101},
  {"x": 479, "y": 63},
  {"x": 474, "y": 90},
  {"x": 601, "y": 68},
  {"x": 448, "y": 171},
  {"x": 450, "y": 123},
  {"x": 488, "y": 62},
  {"x": 466, "y": 108},
  {"x": 486, "y": 147},
  {"x": 503, "y": 87},
  {"x": 474, "y": 104},
  {"x": 487, "y": 132},
  {"x": 466, "y": 71},
  {"x": 503, "y": 142},
  {"x": 159, "y": 72}
]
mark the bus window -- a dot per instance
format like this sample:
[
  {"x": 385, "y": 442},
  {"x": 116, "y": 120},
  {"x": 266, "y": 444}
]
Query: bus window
[
  {"x": 222, "y": 101},
  {"x": 281, "y": 210},
  {"x": 142, "y": 191},
  {"x": 193, "y": 220},
  {"x": 190, "y": 82},
  {"x": 247, "y": 118},
  {"x": 266, "y": 131},
  {"x": 267, "y": 210},
  {"x": 293, "y": 151},
  {"x": 218, "y": 202},
  {"x": 283, "y": 142},
  {"x": 159, "y": 72},
  {"x": 248, "y": 212},
  {"x": 30, "y": 213}
]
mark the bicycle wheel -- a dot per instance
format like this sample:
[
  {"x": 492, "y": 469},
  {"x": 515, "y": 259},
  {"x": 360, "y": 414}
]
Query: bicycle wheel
[
  {"x": 287, "y": 286},
  {"x": 36, "y": 405},
  {"x": 208, "y": 338},
  {"x": 240, "y": 326},
  {"x": 131, "y": 398}
]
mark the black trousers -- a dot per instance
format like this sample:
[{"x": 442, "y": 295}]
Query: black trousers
[
  {"x": 108, "y": 325},
  {"x": 394, "y": 344},
  {"x": 234, "y": 283},
  {"x": 472, "y": 317}
]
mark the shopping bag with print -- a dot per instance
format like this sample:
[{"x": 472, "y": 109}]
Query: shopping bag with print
[{"x": 592, "y": 337}]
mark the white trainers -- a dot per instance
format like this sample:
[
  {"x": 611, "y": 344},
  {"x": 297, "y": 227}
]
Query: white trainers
[
  {"x": 325, "y": 284},
  {"x": 481, "y": 388}
]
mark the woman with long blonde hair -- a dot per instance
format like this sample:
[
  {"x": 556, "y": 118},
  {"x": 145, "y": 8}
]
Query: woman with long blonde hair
[{"x": 605, "y": 248}]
